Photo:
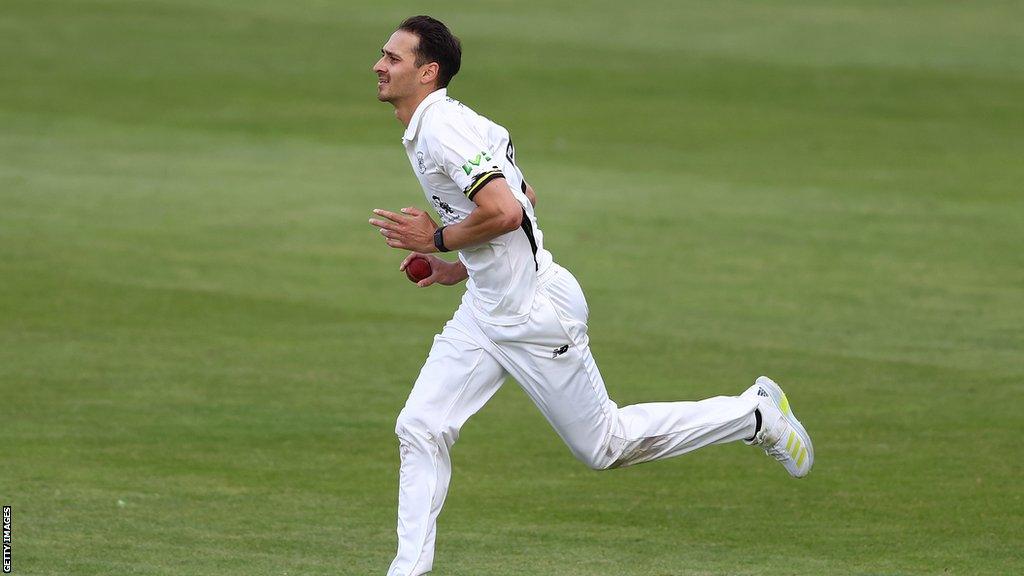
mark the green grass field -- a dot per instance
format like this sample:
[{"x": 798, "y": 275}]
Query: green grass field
[{"x": 203, "y": 345}]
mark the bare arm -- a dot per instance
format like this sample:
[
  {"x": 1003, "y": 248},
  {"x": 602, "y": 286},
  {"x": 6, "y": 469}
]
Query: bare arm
[
  {"x": 531, "y": 195},
  {"x": 497, "y": 213}
]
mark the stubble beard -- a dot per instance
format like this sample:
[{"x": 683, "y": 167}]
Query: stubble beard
[
  {"x": 393, "y": 97},
  {"x": 388, "y": 96}
]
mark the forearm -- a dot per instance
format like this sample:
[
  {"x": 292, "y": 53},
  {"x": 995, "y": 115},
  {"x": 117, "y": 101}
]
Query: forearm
[
  {"x": 448, "y": 273},
  {"x": 531, "y": 195},
  {"x": 479, "y": 227},
  {"x": 497, "y": 213},
  {"x": 457, "y": 273}
]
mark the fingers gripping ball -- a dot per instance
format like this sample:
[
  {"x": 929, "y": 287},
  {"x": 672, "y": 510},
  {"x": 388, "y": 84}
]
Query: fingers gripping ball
[{"x": 417, "y": 269}]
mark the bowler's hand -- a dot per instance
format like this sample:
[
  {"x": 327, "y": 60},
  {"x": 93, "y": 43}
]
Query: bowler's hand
[
  {"x": 441, "y": 271},
  {"x": 413, "y": 229}
]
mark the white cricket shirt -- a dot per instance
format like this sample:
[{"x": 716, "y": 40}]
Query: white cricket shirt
[{"x": 454, "y": 152}]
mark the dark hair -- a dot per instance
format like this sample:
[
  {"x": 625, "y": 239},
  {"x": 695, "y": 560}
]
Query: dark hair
[{"x": 437, "y": 44}]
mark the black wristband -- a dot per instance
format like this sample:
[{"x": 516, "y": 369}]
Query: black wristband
[{"x": 439, "y": 240}]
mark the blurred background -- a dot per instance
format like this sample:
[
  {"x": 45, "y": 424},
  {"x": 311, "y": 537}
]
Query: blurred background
[{"x": 203, "y": 345}]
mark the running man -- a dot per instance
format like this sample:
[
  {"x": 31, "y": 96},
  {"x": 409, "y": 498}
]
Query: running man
[{"x": 522, "y": 315}]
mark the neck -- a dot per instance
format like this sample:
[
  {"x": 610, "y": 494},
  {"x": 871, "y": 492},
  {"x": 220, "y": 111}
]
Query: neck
[{"x": 406, "y": 108}]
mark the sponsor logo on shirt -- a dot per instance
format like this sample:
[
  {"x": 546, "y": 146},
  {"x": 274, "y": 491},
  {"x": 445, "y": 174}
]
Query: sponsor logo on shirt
[
  {"x": 471, "y": 162},
  {"x": 441, "y": 205},
  {"x": 445, "y": 211}
]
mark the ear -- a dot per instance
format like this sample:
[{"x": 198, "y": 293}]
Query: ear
[{"x": 428, "y": 73}]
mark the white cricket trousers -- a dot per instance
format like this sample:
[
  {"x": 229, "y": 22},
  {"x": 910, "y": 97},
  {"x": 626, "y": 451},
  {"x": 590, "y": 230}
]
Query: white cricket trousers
[{"x": 549, "y": 355}]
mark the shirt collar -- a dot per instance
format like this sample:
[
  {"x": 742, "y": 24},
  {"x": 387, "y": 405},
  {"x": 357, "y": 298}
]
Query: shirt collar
[{"x": 414, "y": 122}]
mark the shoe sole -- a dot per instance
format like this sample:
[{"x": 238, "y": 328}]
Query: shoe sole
[{"x": 779, "y": 397}]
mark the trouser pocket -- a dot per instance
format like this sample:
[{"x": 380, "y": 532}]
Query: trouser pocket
[{"x": 569, "y": 304}]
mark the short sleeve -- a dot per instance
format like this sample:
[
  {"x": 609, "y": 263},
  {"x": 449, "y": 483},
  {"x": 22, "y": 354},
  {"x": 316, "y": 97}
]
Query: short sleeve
[{"x": 464, "y": 156}]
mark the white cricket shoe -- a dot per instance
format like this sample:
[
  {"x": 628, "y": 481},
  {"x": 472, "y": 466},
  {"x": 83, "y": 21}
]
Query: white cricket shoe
[{"x": 782, "y": 436}]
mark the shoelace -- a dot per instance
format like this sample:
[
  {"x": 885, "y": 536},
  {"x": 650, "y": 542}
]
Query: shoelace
[{"x": 777, "y": 451}]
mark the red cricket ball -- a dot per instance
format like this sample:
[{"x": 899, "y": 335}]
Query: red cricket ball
[{"x": 418, "y": 268}]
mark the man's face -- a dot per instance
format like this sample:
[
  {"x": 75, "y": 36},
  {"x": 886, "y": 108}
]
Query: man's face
[{"x": 397, "y": 73}]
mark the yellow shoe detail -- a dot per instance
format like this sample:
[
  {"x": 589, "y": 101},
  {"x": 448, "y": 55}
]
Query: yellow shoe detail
[
  {"x": 784, "y": 405},
  {"x": 803, "y": 455}
]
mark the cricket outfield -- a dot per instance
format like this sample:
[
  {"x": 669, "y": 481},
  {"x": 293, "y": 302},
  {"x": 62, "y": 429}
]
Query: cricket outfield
[{"x": 203, "y": 346}]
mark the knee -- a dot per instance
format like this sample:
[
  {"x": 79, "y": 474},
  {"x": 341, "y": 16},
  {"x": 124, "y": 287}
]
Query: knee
[
  {"x": 605, "y": 456},
  {"x": 599, "y": 464},
  {"x": 597, "y": 461},
  {"x": 418, "y": 429},
  {"x": 410, "y": 426}
]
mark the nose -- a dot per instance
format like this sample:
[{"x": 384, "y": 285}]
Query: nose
[{"x": 379, "y": 66}]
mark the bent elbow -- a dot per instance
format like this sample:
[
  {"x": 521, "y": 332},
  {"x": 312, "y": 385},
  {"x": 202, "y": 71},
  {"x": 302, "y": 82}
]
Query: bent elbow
[{"x": 511, "y": 221}]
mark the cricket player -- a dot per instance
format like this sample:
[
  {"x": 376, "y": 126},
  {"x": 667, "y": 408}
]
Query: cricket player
[{"x": 522, "y": 315}]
